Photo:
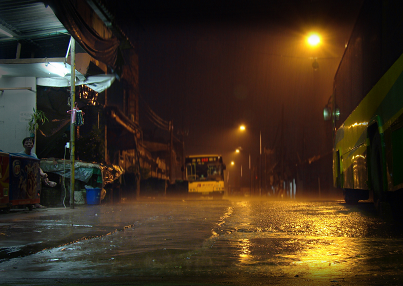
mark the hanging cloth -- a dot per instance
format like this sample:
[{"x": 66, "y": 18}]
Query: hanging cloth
[{"x": 79, "y": 118}]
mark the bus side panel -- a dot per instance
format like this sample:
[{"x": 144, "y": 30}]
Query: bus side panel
[
  {"x": 351, "y": 167},
  {"x": 336, "y": 170},
  {"x": 360, "y": 171},
  {"x": 355, "y": 173},
  {"x": 206, "y": 187},
  {"x": 347, "y": 174},
  {"x": 396, "y": 153}
]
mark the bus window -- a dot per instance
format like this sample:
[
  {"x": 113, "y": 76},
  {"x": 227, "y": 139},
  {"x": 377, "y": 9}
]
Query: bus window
[{"x": 191, "y": 172}]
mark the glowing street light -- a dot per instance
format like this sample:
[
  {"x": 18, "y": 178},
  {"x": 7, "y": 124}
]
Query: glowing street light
[
  {"x": 313, "y": 39},
  {"x": 242, "y": 127}
]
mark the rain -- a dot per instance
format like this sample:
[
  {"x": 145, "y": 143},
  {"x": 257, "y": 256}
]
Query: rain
[{"x": 203, "y": 70}]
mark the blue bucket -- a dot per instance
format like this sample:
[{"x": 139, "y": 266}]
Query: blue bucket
[{"x": 93, "y": 196}]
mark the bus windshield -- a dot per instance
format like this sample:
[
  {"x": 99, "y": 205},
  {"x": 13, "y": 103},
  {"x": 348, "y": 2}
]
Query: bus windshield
[{"x": 204, "y": 169}]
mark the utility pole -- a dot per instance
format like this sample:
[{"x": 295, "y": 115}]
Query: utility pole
[
  {"x": 282, "y": 146},
  {"x": 171, "y": 127},
  {"x": 250, "y": 177},
  {"x": 183, "y": 133},
  {"x": 72, "y": 126},
  {"x": 260, "y": 162}
]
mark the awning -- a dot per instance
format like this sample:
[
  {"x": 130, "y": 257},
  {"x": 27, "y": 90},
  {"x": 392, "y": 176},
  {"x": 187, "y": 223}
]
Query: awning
[
  {"x": 104, "y": 50},
  {"x": 97, "y": 83},
  {"x": 53, "y": 72}
]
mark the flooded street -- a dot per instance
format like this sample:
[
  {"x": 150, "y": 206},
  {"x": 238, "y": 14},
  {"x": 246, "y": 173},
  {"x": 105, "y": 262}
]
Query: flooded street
[{"x": 228, "y": 242}]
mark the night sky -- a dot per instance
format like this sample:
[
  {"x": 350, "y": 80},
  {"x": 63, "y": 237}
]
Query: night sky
[{"x": 212, "y": 65}]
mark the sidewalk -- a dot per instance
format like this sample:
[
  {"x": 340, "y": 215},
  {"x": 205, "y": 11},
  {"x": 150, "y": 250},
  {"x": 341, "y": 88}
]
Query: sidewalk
[{"x": 24, "y": 232}]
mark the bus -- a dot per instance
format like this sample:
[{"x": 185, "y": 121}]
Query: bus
[
  {"x": 366, "y": 107},
  {"x": 205, "y": 175}
]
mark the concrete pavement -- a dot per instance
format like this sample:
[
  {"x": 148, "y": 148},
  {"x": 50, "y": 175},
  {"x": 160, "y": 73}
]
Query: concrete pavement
[{"x": 24, "y": 232}]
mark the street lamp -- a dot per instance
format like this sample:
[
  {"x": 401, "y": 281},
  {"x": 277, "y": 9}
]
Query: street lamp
[
  {"x": 313, "y": 39},
  {"x": 242, "y": 128}
]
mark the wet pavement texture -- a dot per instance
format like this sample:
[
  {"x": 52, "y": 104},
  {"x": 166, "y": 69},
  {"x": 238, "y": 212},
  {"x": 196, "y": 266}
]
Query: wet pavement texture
[{"x": 202, "y": 242}]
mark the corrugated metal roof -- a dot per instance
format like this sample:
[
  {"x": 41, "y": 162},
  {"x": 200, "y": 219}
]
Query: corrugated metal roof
[
  {"x": 39, "y": 32},
  {"x": 33, "y": 25},
  {"x": 28, "y": 19},
  {"x": 37, "y": 29}
]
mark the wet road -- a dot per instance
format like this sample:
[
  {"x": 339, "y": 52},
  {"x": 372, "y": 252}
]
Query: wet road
[{"x": 181, "y": 242}]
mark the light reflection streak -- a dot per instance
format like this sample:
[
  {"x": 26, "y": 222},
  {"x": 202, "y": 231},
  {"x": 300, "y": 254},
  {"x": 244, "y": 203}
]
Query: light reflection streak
[
  {"x": 358, "y": 156},
  {"x": 245, "y": 250},
  {"x": 328, "y": 256},
  {"x": 310, "y": 245},
  {"x": 356, "y": 124},
  {"x": 225, "y": 216}
]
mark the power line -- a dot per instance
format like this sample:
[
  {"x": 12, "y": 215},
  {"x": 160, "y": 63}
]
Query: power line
[{"x": 154, "y": 117}]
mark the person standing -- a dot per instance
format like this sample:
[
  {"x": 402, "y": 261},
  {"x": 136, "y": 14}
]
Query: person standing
[{"x": 28, "y": 144}]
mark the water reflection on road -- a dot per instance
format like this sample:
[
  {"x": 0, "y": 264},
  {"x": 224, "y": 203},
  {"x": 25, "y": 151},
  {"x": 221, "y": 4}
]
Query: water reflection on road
[
  {"x": 238, "y": 239},
  {"x": 307, "y": 240}
]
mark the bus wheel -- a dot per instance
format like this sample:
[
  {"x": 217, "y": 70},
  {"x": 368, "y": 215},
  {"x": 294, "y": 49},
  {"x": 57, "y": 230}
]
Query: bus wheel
[{"x": 376, "y": 171}]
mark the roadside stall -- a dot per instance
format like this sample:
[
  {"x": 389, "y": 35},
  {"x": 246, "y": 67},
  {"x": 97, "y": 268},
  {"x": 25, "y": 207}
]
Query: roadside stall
[
  {"x": 91, "y": 181},
  {"x": 4, "y": 181},
  {"x": 20, "y": 181}
]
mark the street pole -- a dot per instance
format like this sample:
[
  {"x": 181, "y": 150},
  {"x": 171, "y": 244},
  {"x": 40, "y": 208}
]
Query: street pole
[
  {"x": 229, "y": 190},
  {"x": 250, "y": 178},
  {"x": 171, "y": 126},
  {"x": 260, "y": 159},
  {"x": 240, "y": 181},
  {"x": 72, "y": 127},
  {"x": 183, "y": 155}
]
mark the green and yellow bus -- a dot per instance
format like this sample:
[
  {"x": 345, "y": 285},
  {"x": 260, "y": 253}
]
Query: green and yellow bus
[
  {"x": 205, "y": 175},
  {"x": 367, "y": 107}
]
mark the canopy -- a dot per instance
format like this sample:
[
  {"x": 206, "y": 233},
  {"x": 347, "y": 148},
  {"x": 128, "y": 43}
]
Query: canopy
[
  {"x": 97, "y": 83},
  {"x": 54, "y": 72}
]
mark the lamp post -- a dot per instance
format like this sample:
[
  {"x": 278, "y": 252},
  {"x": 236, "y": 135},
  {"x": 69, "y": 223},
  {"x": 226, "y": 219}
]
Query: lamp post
[
  {"x": 243, "y": 128},
  {"x": 314, "y": 41},
  {"x": 238, "y": 150},
  {"x": 228, "y": 182}
]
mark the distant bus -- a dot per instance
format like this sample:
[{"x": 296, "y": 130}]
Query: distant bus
[
  {"x": 205, "y": 175},
  {"x": 367, "y": 107}
]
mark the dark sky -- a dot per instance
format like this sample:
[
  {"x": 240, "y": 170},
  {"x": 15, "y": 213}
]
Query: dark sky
[{"x": 211, "y": 65}]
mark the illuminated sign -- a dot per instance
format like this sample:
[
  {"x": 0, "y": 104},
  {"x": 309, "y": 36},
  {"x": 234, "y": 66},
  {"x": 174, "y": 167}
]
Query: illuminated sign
[{"x": 203, "y": 160}]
